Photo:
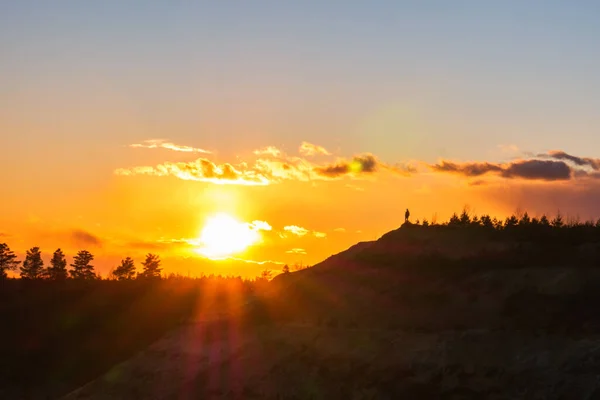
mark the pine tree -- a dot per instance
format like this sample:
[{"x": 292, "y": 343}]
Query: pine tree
[
  {"x": 8, "y": 260},
  {"x": 286, "y": 269},
  {"x": 126, "y": 270},
  {"x": 454, "y": 220},
  {"x": 82, "y": 269},
  {"x": 33, "y": 266},
  {"x": 558, "y": 222},
  {"x": 58, "y": 266},
  {"x": 151, "y": 266},
  {"x": 465, "y": 218}
]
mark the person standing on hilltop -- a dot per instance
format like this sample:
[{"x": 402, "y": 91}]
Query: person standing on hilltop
[{"x": 406, "y": 215}]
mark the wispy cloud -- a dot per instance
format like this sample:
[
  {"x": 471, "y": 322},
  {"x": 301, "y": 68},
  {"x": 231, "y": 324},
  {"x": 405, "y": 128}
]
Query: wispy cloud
[
  {"x": 260, "y": 226},
  {"x": 202, "y": 170},
  {"x": 83, "y": 238},
  {"x": 319, "y": 235},
  {"x": 296, "y": 251},
  {"x": 593, "y": 163},
  {"x": 269, "y": 151},
  {"x": 296, "y": 230},
  {"x": 309, "y": 149},
  {"x": 164, "y": 144},
  {"x": 339, "y": 230},
  {"x": 271, "y": 166}
]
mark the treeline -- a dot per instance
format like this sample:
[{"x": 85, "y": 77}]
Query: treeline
[
  {"x": 81, "y": 268},
  {"x": 465, "y": 219},
  {"x": 33, "y": 268}
]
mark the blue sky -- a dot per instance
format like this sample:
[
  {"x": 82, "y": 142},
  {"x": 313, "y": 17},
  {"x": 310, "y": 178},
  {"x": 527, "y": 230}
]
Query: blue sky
[{"x": 401, "y": 79}]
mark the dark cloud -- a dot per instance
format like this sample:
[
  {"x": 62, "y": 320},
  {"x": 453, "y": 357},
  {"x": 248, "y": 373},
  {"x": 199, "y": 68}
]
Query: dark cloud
[
  {"x": 594, "y": 163},
  {"x": 538, "y": 169},
  {"x": 83, "y": 238},
  {"x": 546, "y": 170},
  {"x": 467, "y": 169}
]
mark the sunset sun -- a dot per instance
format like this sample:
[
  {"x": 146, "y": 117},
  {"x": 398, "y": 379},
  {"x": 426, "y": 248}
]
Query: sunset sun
[{"x": 223, "y": 235}]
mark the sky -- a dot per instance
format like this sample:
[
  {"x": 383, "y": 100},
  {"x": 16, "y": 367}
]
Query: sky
[{"x": 126, "y": 127}]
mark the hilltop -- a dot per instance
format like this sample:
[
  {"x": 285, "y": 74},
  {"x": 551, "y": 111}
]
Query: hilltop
[{"x": 455, "y": 277}]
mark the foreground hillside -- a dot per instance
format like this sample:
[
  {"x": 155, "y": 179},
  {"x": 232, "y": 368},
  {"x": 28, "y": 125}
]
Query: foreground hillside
[{"x": 449, "y": 312}]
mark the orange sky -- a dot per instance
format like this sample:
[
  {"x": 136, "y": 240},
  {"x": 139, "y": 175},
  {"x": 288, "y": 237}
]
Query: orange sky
[
  {"x": 125, "y": 127},
  {"x": 303, "y": 204}
]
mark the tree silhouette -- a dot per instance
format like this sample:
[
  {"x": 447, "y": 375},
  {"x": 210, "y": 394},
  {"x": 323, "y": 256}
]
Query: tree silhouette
[
  {"x": 486, "y": 221},
  {"x": 8, "y": 260},
  {"x": 266, "y": 275},
  {"x": 126, "y": 270},
  {"x": 558, "y": 222},
  {"x": 81, "y": 267},
  {"x": 525, "y": 220},
  {"x": 33, "y": 266},
  {"x": 465, "y": 218},
  {"x": 454, "y": 220},
  {"x": 286, "y": 269},
  {"x": 58, "y": 266},
  {"x": 151, "y": 266}
]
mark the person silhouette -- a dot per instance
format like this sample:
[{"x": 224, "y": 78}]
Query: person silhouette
[{"x": 406, "y": 215}]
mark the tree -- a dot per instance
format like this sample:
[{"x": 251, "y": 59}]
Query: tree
[
  {"x": 33, "y": 266},
  {"x": 126, "y": 270},
  {"x": 82, "y": 269},
  {"x": 266, "y": 275},
  {"x": 486, "y": 221},
  {"x": 58, "y": 266},
  {"x": 286, "y": 269},
  {"x": 425, "y": 222},
  {"x": 544, "y": 220},
  {"x": 511, "y": 221},
  {"x": 525, "y": 220},
  {"x": 465, "y": 218},
  {"x": 558, "y": 222},
  {"x": 8, "y": 260},
  {"x": 454, "y": 220},
  {"x": 151, "y": 266}
]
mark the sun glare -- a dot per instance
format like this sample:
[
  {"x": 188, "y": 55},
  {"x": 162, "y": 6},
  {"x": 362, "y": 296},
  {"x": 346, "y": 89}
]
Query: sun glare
[{"x": 223, "y": 235}]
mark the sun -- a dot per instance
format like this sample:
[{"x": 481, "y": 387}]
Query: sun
[{"x": 223, "y": 236}]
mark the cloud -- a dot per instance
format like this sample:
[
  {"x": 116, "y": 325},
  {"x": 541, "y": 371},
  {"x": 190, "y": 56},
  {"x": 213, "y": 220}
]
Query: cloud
[
  {"x": 340, "y": 230},
  {"x": 546, "y": 170},
  {"x": 296, "y": 251},
  {"x": 360, "y": 164},
  {"x": 594, "y": 163},
  {"x": 83, "y": 238},
  {"x": 162, "y": 143},
  {"x": 296, "y": 230},
  {"x": 319, "y": 235},
  {"x": 309, "y": 149},
  {"x": 202, "y": 170},
  {"x": 271, "y": 166},
  {"x": 269, "y": 150},
  {"x": 354, "y": 187},
  {"x": 538, "y": 169},
  {"x": 467, "y": 169},
  {"x": 260, "y": 226}
]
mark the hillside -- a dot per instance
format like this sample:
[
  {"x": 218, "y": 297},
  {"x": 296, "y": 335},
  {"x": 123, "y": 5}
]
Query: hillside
[
  {"x": 444, "y": 277},
  {"x": 422, "y": 313}
]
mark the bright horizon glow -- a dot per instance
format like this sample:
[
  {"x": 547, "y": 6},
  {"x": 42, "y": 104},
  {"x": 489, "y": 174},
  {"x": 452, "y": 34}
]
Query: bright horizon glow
[{"x": 223, "y": 236}]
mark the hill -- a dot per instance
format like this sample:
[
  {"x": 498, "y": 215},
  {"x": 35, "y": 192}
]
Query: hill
[
  {"x": 438, "y": 312},
  {"x": 453, "y": 277}
]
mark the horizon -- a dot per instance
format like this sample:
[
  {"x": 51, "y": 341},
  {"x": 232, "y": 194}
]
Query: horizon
[{"x": 271, "y": 134}]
